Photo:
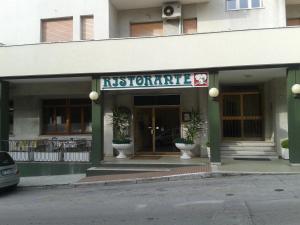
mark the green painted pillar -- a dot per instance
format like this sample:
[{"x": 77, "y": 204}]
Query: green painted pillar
[
  {"x": 293, "y": 77},
  {"x": 4, "y": 115},
  {"x": 97, "y": 125},
  {"x": 214, "y": 120}
]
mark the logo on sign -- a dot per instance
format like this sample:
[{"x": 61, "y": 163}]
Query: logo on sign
[{"x": 200, "y": 79}]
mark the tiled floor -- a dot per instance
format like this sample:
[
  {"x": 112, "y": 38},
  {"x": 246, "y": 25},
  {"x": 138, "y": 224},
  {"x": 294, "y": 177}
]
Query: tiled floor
[
  {"x": 161, "y": 160},
  {"x": 273, "y": 166}
]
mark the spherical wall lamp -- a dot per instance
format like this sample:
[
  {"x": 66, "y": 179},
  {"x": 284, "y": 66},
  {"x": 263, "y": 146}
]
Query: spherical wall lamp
[
  {"x": 94, "y": 96},
  {"x": 296, "y": 89},
  {"x": 213, "y": 92}
]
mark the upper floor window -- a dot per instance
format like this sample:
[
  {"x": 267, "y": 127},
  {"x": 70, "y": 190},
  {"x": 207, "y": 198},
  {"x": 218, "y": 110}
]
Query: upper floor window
[
  {"x": 243, "y": 4},
  {"x": 87, "y": 27},
  {"x": 190, "y": 26},
  {"x": 56, "y": 30},
  {"x": 146, "y": 29}
]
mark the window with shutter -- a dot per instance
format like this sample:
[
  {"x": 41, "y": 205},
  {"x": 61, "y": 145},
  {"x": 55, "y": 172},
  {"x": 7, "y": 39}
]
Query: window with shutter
[
  {"x": 146, "y": 29},
  {"x": 57, "y": 30},
  {"x": 87, "y": 27},
  {"x": 189, "y": 26}
]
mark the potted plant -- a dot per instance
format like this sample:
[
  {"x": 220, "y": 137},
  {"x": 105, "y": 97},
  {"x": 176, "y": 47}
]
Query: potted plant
[
  {"x": 208, "y": 149},
  {"x": 285, "y": 149},
  {"x": 193, "y": 127},
  {"x": 120, "y": 121}
]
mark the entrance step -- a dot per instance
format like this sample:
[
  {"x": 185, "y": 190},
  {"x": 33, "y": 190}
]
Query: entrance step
[
  {"x": 112, "y": 170},
  {"x": 248, "y": 149}
]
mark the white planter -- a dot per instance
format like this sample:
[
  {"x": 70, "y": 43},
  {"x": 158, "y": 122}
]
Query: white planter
[
  {"x": 208, "y": 152},
  {"x": 185, "y": 150},
  {"x": 20, "y": 155},
  {"x": 76, "y": 156},
  {"x": 47, "y": 156},
  {"x": 121, "y": 148},
  {"x": 285, "y": 153}
]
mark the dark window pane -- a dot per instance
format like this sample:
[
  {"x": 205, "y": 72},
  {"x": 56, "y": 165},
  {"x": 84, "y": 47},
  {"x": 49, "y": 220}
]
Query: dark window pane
[
  {"x": 54, "y": 102},
  {"x": 231, "y": 4},
  {"x": 253, "y": 128},
  {"x": 61, "y": 119},
  {"x": 244, "y": 4},
  {"x": 87, "y": 119},
  {"x": 231, "y": 105},
  {"x": 11, "y": 117},
  {"x": 76, "y": 120},
  {"x": 157, "y": 100},
  {"x": 232, "y": 128},
  {"x": 48, "y": 120},
  {"x": 256, "y": 3},
  {"x": 252, "y": 105}
]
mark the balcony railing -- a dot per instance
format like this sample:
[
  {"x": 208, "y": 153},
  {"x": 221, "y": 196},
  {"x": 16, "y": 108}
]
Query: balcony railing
[{"x": 70, "y": 150}]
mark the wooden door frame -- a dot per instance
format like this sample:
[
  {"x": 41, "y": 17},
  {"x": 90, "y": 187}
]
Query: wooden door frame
[
  {"x": 242, "y": 117},
  {"x": 153, "y": 107}
]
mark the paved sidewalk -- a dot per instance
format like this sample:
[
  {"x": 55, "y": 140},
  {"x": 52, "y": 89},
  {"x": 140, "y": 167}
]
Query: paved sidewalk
[
  {"x": 228, "y": 168},
  {"x": 50, "y": 180}
]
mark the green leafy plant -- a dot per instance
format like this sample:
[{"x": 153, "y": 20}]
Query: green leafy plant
[
  {"x": 193, "y": 127},
  {"x": 285, "y": 143},
  {"x": 120, "y": 120},
  {"x": 183, "y": 141}
]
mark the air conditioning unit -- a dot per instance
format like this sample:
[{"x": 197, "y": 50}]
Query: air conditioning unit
[{"x": 171, "y": 10}]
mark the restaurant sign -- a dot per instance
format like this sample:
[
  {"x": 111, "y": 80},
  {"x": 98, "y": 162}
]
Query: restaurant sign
[{"x": 154, "y": 81}]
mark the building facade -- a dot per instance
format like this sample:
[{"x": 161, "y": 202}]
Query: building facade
[{"x": 143, "y": 56}]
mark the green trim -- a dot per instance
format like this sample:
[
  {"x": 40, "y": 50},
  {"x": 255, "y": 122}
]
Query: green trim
[
  {"x": 293, "y": 77},
  {"x": 97, "y": 121},
  {"x": 4, "y": 114},
  {"x": 45, "y": 169},
  {"x": 214, "y": 121}
]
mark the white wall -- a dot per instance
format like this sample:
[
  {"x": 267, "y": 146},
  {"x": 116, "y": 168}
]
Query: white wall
[
  {"x": 20, "y": 20},
  {"x": 113, "y": 22},
  {"x": 280, "y": 110},
  {"x": 212, "y": 16}
]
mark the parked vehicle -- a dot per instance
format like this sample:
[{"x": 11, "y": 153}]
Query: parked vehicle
[{"x": 9, "y": 173}]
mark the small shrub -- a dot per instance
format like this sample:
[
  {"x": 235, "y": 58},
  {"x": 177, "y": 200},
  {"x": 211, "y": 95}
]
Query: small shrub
[
  {"x": 207, "y": 144},
  {"x": 121, "y": 141},
  {"x": 285, "y": 143}
]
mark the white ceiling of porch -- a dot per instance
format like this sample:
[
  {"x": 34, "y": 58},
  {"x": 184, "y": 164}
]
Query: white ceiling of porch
[{"x": 251, "y": 76}]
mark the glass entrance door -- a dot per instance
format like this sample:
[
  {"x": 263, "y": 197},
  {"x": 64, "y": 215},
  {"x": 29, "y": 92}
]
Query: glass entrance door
[
  {"x": 167, "y": 129},
  {"x": 155, "y": 129}
]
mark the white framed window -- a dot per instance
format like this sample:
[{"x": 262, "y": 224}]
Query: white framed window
[{"x": 243, "y": 4}]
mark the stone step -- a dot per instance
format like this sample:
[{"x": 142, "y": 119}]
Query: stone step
[
  {"x": 101, "y": 170},
  {"x": 233, "y": 152},
  {"x": 250, "y": 156},
  {"x": 247, "y": 148},
  {"x": 248, "y": 144}
]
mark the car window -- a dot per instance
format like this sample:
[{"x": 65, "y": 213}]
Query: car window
[{"x": 5, "y": 159}]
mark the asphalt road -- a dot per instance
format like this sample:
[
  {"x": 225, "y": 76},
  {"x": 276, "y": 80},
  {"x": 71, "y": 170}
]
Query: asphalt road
[{"x": 271, "y": 200}]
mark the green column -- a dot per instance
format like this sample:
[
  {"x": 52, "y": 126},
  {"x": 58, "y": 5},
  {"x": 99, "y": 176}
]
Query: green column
[
  {"x": 97, "y": 125},
  {"x": 293, "y": 77},
  {"x": 4, "y": 115},
  {"x": 214, "y": 121}
]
